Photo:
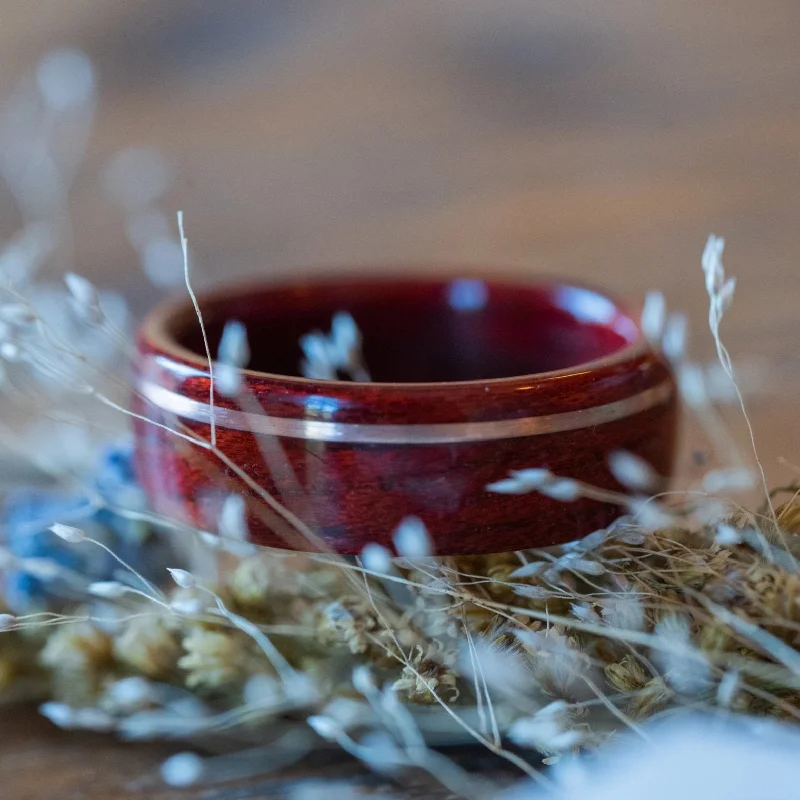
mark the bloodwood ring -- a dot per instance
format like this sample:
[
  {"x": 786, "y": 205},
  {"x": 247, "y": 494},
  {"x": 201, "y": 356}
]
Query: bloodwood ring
[{"x": 472, "y": 378}]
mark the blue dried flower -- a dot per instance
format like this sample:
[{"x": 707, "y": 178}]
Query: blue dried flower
[
  {"x": 26, "y": 517},
  {"x": 28, "y": 513}
]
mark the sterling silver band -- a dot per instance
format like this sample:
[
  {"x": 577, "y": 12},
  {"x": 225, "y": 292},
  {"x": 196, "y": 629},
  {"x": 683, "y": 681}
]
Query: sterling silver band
[{"x": 367, "y": 433}]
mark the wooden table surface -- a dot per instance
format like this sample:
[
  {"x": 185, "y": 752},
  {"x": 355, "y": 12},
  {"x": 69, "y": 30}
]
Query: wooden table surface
[{"x": 598, "y": 140}]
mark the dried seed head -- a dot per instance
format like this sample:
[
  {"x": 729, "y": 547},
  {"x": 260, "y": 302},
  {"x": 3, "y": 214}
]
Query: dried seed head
[
  {"x": 233, "y": 518},
  {"x": 376, "y": 558},
  {"x": 17, "y": 314},
  {"x": 65, "y": 78},
  {"x": 653, "y": 315},
  {"x": 649, "y": 513},
  {"x": 735, "y": 479},
  {"x": 326, "y": 727},
  {"x": 131, "y": 693},
  {"x": 60, "y": 714},
  {"x": 411, "y": 538},
  {"x": 232, "y": 356},
  {"x": 728, "y": 688},
  {"x": 632, "y": 471},
  {"x": 68, "y": 533},
  {"x": 183, "y": 578},
  {"x": 7, "y": 621},
  {"x": 188, "y": 606},
  {"x": 711, "y": 262},
  {"x": 727, "y": 535},
  {"x": 522, "y": 481},
  {"x": 363, "y": 680},
  {"x": 564, "y": 489},
  {"x": 548, "y": 730},
  {"x": 673, "y": 342},
  {"x": 182, "y": 769},
  {"x": 110, "y": 590},
  {"x": 85, "y": 298}
]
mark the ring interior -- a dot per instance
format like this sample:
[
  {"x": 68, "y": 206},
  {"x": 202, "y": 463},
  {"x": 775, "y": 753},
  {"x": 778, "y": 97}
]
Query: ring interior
[{"x": 418, "y": 331}]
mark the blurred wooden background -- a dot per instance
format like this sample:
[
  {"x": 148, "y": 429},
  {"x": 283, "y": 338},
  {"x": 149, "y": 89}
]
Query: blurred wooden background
[{"x": 598, "y": 140}]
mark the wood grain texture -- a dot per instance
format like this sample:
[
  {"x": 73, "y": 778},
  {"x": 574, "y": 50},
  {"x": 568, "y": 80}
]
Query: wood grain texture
[
  {"x": 598, "y": 141},
  {"x": 542, "y": 355}
]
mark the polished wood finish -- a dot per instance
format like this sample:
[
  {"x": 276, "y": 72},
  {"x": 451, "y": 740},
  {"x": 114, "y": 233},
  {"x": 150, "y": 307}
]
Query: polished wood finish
[{"x": 519, "y": 352}]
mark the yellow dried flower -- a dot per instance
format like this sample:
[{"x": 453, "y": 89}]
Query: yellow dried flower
[
  {"x": 251, "y": 582},
  {"x": 217, "y": 658},
  {"x": 429, "y": 673},
  {"x": 352, "y": 621},
  {"x": 714, "y": 637},
  {"x": 652, "y": 698},
  {"x": 627, "y": 675},
  {"x": 789, "y": 516},
  {"x": 77, "y": 656},
  {"x": 77, "y": 648},
  {"x": 148, "y": 645},
  {"x": 770, "y": 591}
]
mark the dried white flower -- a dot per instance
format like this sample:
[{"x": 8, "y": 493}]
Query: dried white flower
[
  {"x": 506, "y": 670},
  {"x": 10, "y": 351},
  {"x": 339, "y": 352},
  {"x": 60, "y": 714},
  {"x": 85, "y": 298},
  {"x": 411, "y": 538},
  {"x": 673, "y": 342},
  {"x": 530, "y": 569},
  {"x": 727, "y": 535},
  {"x": 653, "y": 315},
  {"x": 363, "y": 680},
  {"x": 110, "y": 590},
  {"x": 548, "y": 730},
  {"x": 188, "y": 606},
  {"x": 233, "y": 355},
  {"x": 301, "y": 689},
  {"x": 533, "y": 592},
  {"x": 711, "y": 262},
  {"x": 728, "y": 688},
  {"x": 564, "y": 489},
  {"x": 233, "y": 518},
  {"x": 649, "y": 513},
  {"x": 380, "y": 752},
  {"x": 684, "y": 665},
  {"x": 584, "y": 612},
  {"x": 45, "y": 569},
  {"x": 182, "y": 769},
  {"x": 588, "y": 543},
  {"x": 65, "y": 78},
  {"x": 324, "y": 726},
  {"x": 631, "y": 470},
  {"x": 624, "y": 612},
  {"x": 131, "y": 694},
  {"x": 93, "y": 719},
  {"x": 522, "y": 481},
  {"x": 183, "y": 578},
  {"x": 540, "y": 480},
  {"x": 573, "y": 563},
  {"x": 19, "y": 315},
  {"x": 68, "y": 533},
  {"x": 7, "y": 621},
  {"x": 691, "y": 380},
  {"x": 735, "y": 479},
  {"x": 376, "y": 558},
  {"x": 262, "y": 690}
]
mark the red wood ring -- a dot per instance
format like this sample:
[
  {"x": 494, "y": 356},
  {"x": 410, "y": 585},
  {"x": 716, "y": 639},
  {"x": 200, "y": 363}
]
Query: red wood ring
[{"x": 473, "y": 378}]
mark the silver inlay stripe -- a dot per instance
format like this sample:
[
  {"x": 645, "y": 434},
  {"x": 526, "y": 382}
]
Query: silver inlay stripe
[{"x": 366, "y": 433}]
